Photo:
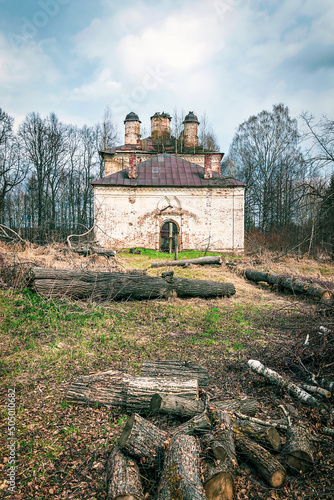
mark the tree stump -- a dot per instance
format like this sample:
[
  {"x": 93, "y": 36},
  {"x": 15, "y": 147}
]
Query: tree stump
[
  {"x": 123, "y": 482},
  {"x": 180, "y": 477},
  {"x": 142, "y": 439}
]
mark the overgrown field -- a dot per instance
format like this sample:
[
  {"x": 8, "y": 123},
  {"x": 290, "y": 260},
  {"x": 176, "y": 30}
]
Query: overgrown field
[{"x": 61, "y": 449}]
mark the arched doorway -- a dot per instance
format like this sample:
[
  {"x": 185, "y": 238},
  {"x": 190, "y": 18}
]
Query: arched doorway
[{"x": 169, "y": 237}]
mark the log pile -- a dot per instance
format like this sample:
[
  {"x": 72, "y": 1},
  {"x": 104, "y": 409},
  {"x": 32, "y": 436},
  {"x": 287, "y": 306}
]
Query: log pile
[
  {"x": 199, "y": 457},
  {"x": 122, "y": 286}
]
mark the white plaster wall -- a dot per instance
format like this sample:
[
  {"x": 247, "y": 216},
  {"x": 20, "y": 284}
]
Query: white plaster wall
[{"x": 132, "y": 217}]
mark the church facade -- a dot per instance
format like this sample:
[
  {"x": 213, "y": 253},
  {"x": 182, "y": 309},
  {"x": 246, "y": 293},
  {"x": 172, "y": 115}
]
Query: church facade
[{"x": 163, "y": 192}]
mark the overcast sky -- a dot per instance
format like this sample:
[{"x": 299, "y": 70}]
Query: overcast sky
[{"x": 230, "y": 58}]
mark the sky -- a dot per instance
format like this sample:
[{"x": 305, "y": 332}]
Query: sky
[{"x": 228, "y": 58}]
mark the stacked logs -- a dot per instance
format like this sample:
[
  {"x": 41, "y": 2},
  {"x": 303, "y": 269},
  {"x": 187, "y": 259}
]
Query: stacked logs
[{"x": 197, "y": 459}]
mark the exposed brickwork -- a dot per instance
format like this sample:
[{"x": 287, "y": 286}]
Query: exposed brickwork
[
  {"x": 132, "y": 133},
  {"x": 132, "y": 166},
  {"x": 207, "y": 167},
  {"x": 190, "y": 135},
  {"x": 160, "y": 126}
]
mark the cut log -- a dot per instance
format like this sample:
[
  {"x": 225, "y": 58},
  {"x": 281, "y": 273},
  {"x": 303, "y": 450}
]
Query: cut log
[
  {"x": 219, "y": 480},
  {"x": 175, "y": 368},
  {"x": 266, "y": 465},
  {"x": 143, "y": 440},
  {"x": 113, "y": 388},
  {"x": 278, "y": 423},
  {"x": 213, "y": 448},
  {"x": 173, "y": 405},
  {"x": 89, "y": 249},
  {"x": 266, "y": 436},
  {"x": 276, "y": 379},
  {"x": 224, "y": 432},
  {"x": 201, "y": 261},
  {"x": 180, "y": 478},
  {"x": 292, "y": 284},
  {"x": 247, "y": 406},
  {"x": 198, "y": 424},
  {"x": 122, "y": 473},
  {"x": 200, "y": 288},
  {"x": 317, "y": 390},
  {"x": 99, "y": 285},
  {"x": 298, "y": 450}
]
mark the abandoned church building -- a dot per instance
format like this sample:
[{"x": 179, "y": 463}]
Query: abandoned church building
[{"x": 163, "y": 192}]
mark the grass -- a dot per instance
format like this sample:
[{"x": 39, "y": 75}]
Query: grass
[{"x": 47, "y": 343}]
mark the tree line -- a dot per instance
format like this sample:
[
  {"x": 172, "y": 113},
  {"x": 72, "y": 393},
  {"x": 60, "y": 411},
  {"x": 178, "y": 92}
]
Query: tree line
[
  {"x": 288, "y": 171},
  {"x": 46, "y": 168}
]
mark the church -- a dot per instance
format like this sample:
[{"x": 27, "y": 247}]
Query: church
[{"x": 165, "y": 192}]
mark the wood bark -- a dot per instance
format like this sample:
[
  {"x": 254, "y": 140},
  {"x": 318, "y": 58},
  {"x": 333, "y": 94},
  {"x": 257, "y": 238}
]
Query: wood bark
[
  {"x": 180, "y": 478},
  {"x": 114, "y": 388},
  {"x": 266, "y": 465},
  {"x": 143, "y": 439},
  {"x": 99, "y": 285},
  {"x": 186, "y": 262},
  {"x": 317, "y": 390},
  {"x": 166, "y": 403},
  {"x": 123, "y": 479},
  {"x": 219, "y": 480},
  {"x": 278, "y": 380},
  {"x": 200, "y": 288},
  {"x": 224, "y": 432},
  {"x": 298, "y": 450},
  {"x": 266, "y": 436},
  {"x": 176, "y": 368},
  {"x": 247, "y": 406},
  {"x": 198, "y": 424},
  {"x": 292, "y": 284}
]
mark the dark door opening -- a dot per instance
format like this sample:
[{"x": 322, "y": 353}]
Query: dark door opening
[{"x": 169, "y": 237}]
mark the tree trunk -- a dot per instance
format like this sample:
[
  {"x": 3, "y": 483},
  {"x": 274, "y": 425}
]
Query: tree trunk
[
  {"x": 198, "y": 424},
  {"x": 276, "y": 379},
  {"x": 180, "y": 478},
  {"x": 247, "y": 406},
  {"x": 266, "y": 465},
  {"x": 175, "y": 368},
  {"x": 199, "y": 262},
  {"x": 143, "y": 440},
  {"x": 198, "y": 288},
  {"x": 113, "y": 388},
  {"x": 166, "y": 403},
  {"x": 99, "y": 285},
  {"x": 292, "y": 284},
  {"x": 122, "y": 475},
  {"x": 298, "y": 450}
]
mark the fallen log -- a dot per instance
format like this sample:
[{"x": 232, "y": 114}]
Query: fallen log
[
  {"x": 180, "y": 477},
  {"x": 298, "y": 450},
  {"x": 198, "y": 424},
  {"x": 225, "y": 435},
  {"x": 201, "y": 261},
  {"x": 98, "y": 285},
  {"x": 247, "y": 406},
  {"x": 276, "y": 379},
  {"x": 292, "y": 284},
  {"x": 317, "y": 390},
  {"x": 267, "y": 466},
  {"x": 174, "y": 405},
  {"x": 122, "y": 286},
  {"x": 123, "y": 479},
  {"x": 198, "y": 288},
  {"x": 218, "y": 479},
  {"x": 143, "y": 440},
  {"x": 175, "y": 368},
  {"x": 89, "y": 249},
  {"x": 114, "y": 388}
]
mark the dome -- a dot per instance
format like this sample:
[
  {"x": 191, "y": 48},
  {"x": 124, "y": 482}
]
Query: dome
[
  {"x": 191, "y": 118},
  {"x": 132, "y": 117}
]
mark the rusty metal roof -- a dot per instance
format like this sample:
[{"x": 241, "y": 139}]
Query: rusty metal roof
[{"x": 167, "y": 171}]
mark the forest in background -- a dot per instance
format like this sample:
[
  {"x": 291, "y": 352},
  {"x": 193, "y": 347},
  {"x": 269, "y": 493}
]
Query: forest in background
[{"x": 46, "y": 168}]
